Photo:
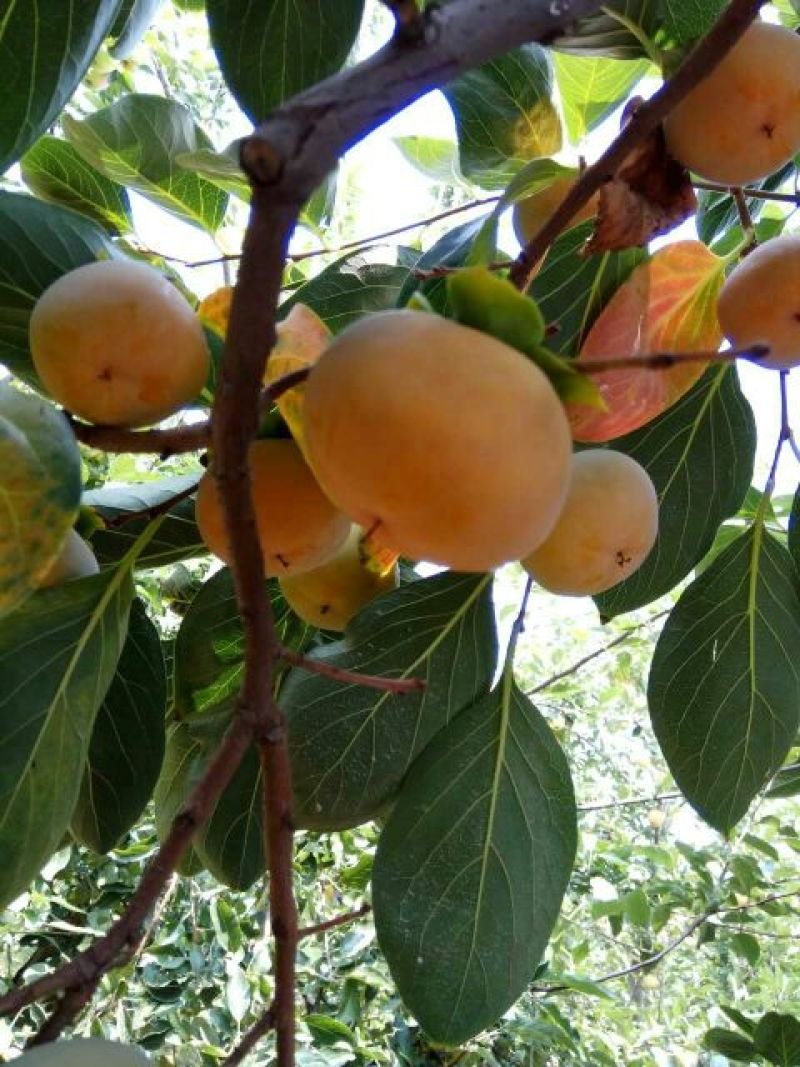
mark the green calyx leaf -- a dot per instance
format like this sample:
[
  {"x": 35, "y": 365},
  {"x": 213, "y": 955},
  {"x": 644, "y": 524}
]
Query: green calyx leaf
[{"x": 492, "y": 305}]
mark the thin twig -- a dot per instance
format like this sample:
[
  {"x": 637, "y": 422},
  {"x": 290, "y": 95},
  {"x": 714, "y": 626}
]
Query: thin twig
[
  {"x": 750, "y": 193},
  {"x": 703, "y": 59},
  {"x": 746, "y": 221},
  {"x": 665, "y": 360},
  {"x": 398, "y": 686},
  {"x": 659, "y": 798},
  {"x": 331, "y": 924},
  {"x": 150, "y": 513},
  {"x": 360, "y": 242},
  {"x": 264, "y": 1025},
  {"x": 578, "y": 664}
]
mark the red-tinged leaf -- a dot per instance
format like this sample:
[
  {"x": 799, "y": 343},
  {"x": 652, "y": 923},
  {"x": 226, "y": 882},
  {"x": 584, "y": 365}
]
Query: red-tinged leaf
[{"x": 667, "y": 305}]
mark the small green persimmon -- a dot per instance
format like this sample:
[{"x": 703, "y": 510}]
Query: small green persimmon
[
  {"x": 742, "y": 122},
  {"x": 330, "y": 595},
  {"x": 605, "y": 531},
  {"x": 445, "y": 443},
  {"x": 116, "y": 343},
  {"x": 299, "y": 528},
  {"x": 760, "y": 301}
]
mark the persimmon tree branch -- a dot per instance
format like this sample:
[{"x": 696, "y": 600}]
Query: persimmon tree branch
[
  {"x": 703, "y": 59},
  {"x": 398, "y": 686},
  {"x": 332, "y": 924}
]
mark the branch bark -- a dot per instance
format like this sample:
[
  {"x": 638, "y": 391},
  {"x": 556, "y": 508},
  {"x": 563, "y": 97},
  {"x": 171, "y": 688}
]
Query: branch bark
[{"x": 702, "y": 60}]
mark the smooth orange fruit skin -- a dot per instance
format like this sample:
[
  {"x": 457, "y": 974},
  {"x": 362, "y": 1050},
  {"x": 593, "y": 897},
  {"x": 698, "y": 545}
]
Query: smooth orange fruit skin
[
  {"x": 298, "y": 527},
  {"x": 606, "y": 529},
  {"x": 530, "y": 214},
  {"x": 447, "y": 444},
  {"x": 743, "y": 121},
  {"x": 760, "y": 301},
  {"x": 329, "y": 596},
  {"x": 116, "y": 343}
]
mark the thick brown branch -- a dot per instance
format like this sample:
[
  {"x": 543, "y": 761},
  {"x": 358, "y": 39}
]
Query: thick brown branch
[
  {"x": 702, "y": 60},
  {"x": 166, "y": 443},
  {"x": 85, "y": 970},
  {"x": 339, "y": 674}
]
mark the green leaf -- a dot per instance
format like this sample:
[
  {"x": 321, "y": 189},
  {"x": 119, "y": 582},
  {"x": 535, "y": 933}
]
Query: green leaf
[
  {"x": 127, "y": 745},
  {"x": 572, "y": 290},
  {"x": 741, "y": 1020},
  {"x": 591, "y": 88},
  {"x": 434, "y": 157},
  {"x": 351, "y": 745},
  {"x": 617, "y": 31},
  {"x": 473, "y": 863},
  {"x": 637, "y": 908},
  {"x": 58, "y": 655},
  {"x": 209, "y": 650},
  {"x": 348, "y": 289},
  {"x": 220, "y": 168},
  {"x": 47, "y": 48},
  {"x": 687, "y": 20},
  {"x": 40, "y": 242},
  {"x": 717, "y": 212},
  {"x": 724, "y": 688},
  {"x": 271, "y": 50},
  {"x": 40, "y": 489},
  {"x": 56, "y": 172},
  {"x": 794, "y": 531},
  {"x": 231, "y": 845},
  {"x": 786, "y": 783},
  {"x": 177, "y": 537},
  {"x": 494, "y": 306},
  {"x": 326, "y": 1030},
  {"x": 729, "y": 1043},
  {"x": 179, "y": 774},
  {"x": 746, "y": 946},
  {"x": 451, "y": 250},
  {"x": 130, "y": 30},
  {"x": 504, "y": 115},
  {"x": 700, "y": 455},
  {"x": 136, "y": 141},
  {"x": 777, "y": 1038}
]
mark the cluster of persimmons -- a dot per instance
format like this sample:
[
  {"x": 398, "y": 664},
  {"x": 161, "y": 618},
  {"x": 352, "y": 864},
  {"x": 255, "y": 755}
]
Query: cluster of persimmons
[{"x": 422, "y": 437}]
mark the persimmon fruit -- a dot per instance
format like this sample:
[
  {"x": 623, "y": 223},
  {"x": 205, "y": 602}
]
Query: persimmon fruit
[
  {"x": 116, "y": 343},
  {"x": 445, "y": 443},
  {"x": 760, "y": 301},
  {"x": 742, "y": 122},
  {"x": 75, "y": 561},
  {"x": 298, "y": 527},
  {"x": 605, "y": 531},
  {"x": 330, "y": 595},
  {"x": 529, "y": 215}
]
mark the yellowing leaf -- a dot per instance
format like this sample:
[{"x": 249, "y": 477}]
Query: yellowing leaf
[
  {"x": 302, "y": 338},
  {"x": 215, "y": 309},
  {"x": 538, "y": 132},
  {"x": 667, "y": 305}
]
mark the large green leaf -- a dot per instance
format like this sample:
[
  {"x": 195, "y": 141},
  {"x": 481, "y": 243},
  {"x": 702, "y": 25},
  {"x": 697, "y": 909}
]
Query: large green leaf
[
  {"x": 614, "y": 31},
  {"x": 40, "y": 489},
  {"x": 591, "y": 88},
  {"x": 504, "y": 115},
  {"x": 127, "y": 745},
  {"x": 47, "y": 47},
  {"x": 179, "y": 774},
  {"x": 55, "y": 171},
  {"x": 572, "y": 290},
  {"x": 724, "y": 688},
  {"x": 58, "y": 655},
  {"x": 717, "y": 212},
  {"x": 700, "y": 456},
  {"x": 220, "y": 168},
  {"x": 451, "y": 250},
  {"x": 777, "y": 1038},
  {"x": 136, "y": 141},
  {"x": 348, "y": 289},
  {"x": 131, "y": 28},
  {"x": 231, "y": 845},
  {"x": 351, "y": 745},
  {"x": 794, "y": 530},
  {"x": 271, "y": 50},
  {"x": 177, "y": 537},
  {"x": 40, "y": 242},
  {"x": 209, "y": 650},
  {"x": 473, "y": 863},
  {"x": 687, "y": 20},
  {"x": 435, "y": 157}
]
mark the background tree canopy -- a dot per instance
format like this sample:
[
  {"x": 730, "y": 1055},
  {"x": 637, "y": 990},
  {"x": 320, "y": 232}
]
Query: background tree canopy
[{"x": 528, "y": 829}]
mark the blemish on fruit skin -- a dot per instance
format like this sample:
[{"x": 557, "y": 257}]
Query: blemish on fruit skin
[
  {"x": 622, "y": 559},
  {"x": 284, "y": 562},
  {"x": 105, "y": 375}
]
